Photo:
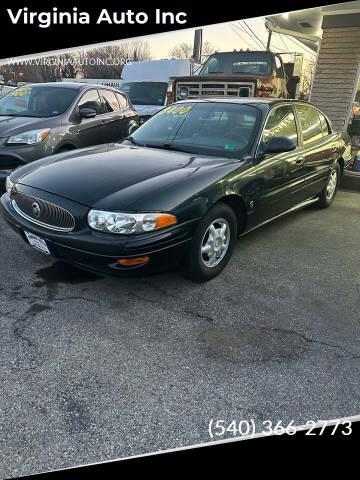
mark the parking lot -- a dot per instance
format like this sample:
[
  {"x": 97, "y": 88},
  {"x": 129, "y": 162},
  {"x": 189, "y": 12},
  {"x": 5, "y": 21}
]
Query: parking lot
[{"x": 97, "y": 368}]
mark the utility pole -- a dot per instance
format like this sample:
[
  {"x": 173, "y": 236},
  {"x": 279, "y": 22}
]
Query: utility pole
[
  {"x": 197, "y": 46},
  {"x": 269, "y": 40}
]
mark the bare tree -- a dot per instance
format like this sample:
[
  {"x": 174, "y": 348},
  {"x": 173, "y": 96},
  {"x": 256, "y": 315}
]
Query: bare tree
[
  {"x": 102, "y": 62},
  {"x": 185, "y": 50},
  {"x": 306, "y": 81},
  {"x": 108, "y": 61},
  {"x": 47, "y": 69}
]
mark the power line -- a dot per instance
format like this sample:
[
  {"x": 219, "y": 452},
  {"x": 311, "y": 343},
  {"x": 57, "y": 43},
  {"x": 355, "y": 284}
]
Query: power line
[
  {"x": 247, "y": 43},
  {"x": 261, "y": 42},
  {"x": 256, "y": 42},
  {"x": 238, "y": 34},
  {"x": 279, "y": 50},
  {"x": 283, "y": 42},
  {"x": 302, "y": 46},
  {"x": 240, "y": 27}
]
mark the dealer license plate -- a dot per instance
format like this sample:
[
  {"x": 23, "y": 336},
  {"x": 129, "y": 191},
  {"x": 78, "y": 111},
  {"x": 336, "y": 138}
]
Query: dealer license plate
[{"x": 37, "y": 242}]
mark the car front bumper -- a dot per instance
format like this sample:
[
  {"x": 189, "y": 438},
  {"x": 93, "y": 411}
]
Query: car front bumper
[
  {"x": 13, "y": 156},
  {"x": 98, "y": 252}
]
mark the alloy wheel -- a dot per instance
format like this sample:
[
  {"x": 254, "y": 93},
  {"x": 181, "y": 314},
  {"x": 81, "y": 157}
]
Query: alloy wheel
[
  {"x": 331, "y": 186},
  {"x": 215, "y": 242}
]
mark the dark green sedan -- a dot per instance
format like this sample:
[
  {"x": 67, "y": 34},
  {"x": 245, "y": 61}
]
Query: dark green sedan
[{"x": 181, "y": 189}]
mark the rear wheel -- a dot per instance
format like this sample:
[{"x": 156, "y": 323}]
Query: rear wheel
[
  {"x": 212, "y": 244},
  {"x": 328, "y": 193}
]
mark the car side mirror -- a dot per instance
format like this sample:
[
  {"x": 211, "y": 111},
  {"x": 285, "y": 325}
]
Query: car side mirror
[
  {"x": 278, "y": 145},
  {"x": 87, "y": 112},
  {"x": 132, "y": 128}
]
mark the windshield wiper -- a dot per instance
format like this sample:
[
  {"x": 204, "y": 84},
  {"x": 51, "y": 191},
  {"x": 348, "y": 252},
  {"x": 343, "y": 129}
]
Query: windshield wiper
[
  {"x": 130, "y": 138},
  {"x": 163, "y": 146},
  {"x": 176, "y": 149},
  {"x": 166, "y": 146},
  {"x": 19, "y": 115}
]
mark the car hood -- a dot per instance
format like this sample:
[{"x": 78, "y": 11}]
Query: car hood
[
  {"x": 11, "y": 125},
  {"x": 148, "y": 109},
  {"x": 95, "y": 176}
]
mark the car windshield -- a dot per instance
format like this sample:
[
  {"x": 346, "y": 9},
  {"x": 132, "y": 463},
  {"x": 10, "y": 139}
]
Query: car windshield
[
  {"x": 145, "y": 93},
  {"x": 5, "y": 89},
  {"x": 255, "y": 63},
  {"x": 211, "y": 128},
  {"x": 37, "y": 101}
]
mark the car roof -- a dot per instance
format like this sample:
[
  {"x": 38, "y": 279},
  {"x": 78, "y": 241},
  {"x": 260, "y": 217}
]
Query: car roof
[
  {"x": 243, "y": 100},
  {"x": 77, "y": 85},
  {"x": 54, "y": 84}
]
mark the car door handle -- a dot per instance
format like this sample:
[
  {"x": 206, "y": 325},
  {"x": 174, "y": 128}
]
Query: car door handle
[{"x": 299, "y": 160}]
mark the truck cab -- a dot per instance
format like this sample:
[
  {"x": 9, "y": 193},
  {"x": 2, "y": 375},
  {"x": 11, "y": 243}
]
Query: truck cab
[{"x": 235, "y": 74}]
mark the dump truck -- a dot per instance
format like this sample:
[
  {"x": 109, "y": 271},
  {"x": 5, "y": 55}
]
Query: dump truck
[{"x": 240, "y": 74}]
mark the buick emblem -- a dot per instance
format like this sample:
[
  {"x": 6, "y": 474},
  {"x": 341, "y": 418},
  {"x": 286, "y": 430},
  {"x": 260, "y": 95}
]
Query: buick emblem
[{"x": 36, "y": 209}]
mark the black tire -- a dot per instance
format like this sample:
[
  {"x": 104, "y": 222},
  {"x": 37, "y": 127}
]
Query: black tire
[
  {"x": 195, "y": 266},
  {"x": 326, "y": 197}
]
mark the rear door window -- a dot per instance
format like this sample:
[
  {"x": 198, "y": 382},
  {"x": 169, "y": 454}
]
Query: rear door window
[
  {"x": 122, "y": 101},
  {"x": 310, "y": 123},
  {"x": 109, "y": 100}
]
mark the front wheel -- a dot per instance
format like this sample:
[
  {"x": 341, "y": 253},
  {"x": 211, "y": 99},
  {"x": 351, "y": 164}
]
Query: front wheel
[
  {"x": 212, "y": 244},
  {"x": 327, "y": 195}
]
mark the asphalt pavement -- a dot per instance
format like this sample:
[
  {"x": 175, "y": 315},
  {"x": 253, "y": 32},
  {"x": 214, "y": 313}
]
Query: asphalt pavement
[{"x": 96, "y": 368}]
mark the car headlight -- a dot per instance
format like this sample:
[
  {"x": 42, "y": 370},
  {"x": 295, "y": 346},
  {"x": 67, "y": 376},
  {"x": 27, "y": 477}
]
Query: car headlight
[
  {"x": 8, "y": 184},
  {"x": 184, "y": 92},
  {"x": 127, "y": 223},
  {"x": 30, "y": 137}
]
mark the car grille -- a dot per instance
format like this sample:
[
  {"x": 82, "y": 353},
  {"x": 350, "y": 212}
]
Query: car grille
[
  {"x": 42, "y": 212},
  {"x": 218, "y": 89}
]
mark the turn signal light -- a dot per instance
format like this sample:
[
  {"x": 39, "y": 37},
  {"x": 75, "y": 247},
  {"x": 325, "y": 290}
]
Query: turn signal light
[
  {"x": 132, "y": 261},
  {"x": 43, "y": 135},
  {"x": 164, "y": 220}
]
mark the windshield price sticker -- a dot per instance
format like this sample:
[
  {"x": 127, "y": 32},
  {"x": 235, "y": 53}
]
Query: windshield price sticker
[
  {"x": 20, "y": 92},
  {"x": 176, "y": 110},
  {"x": 248, "y": 428},
  {"x": 252, "y": 63}
]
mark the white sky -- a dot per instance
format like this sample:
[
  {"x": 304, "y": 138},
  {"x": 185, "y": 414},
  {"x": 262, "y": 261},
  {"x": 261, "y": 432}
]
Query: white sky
[{"x": 227, "y": 36}]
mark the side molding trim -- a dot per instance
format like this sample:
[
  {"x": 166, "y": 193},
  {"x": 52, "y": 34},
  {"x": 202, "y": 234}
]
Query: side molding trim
[{"x": 292, "y": 209}]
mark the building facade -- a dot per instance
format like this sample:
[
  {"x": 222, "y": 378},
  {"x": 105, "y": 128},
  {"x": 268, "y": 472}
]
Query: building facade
[
  {"x": 333, "y": 33},
  {"x": 335, "y": 88}
]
